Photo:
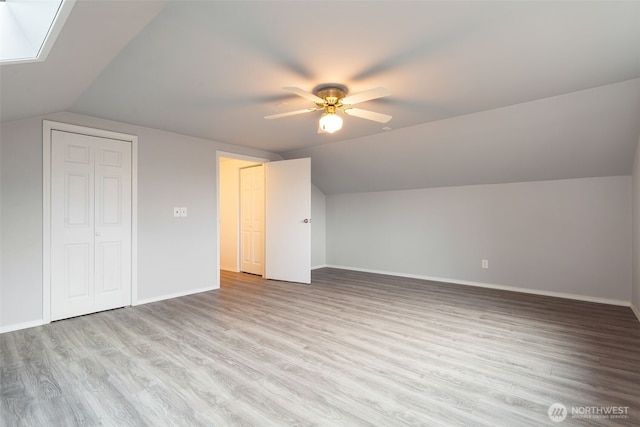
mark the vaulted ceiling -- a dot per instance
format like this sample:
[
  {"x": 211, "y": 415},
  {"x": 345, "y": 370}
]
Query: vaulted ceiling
[{"x": 482, "y": 92}]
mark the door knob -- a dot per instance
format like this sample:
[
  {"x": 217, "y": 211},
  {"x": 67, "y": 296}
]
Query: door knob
[{"x": 306, "y": 221}]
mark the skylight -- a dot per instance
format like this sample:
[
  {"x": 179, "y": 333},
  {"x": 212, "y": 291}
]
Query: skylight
[{"x": 28, "y": 28}]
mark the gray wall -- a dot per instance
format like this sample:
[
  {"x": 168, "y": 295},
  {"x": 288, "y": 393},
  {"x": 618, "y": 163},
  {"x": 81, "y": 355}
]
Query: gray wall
[
  {"x": 318, "y": 228},
  {"x": 21, "y": 222},
  {"x": 568, "y": 236},
  {"x": 175, "y": 255},
  {"x": 635, "y": 299}
]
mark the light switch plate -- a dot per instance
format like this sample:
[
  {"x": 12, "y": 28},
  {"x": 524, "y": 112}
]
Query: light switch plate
[
  {"x": 183, "y": 211},
  {"x": 176, "y": 212}
]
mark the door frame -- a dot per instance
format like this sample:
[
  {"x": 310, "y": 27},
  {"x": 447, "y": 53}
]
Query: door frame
[
  {"x": 48, "y": 127},
  {"x": 236, "y": 156}
]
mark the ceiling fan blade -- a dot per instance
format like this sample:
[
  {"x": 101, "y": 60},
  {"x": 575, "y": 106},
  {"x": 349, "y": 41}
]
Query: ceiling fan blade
[
  {"x": 366, "y": 114},
  {"x": 367, "y": 95},
  {"x": 291, "y": 113},
  {"x": 304, "y": 94}
]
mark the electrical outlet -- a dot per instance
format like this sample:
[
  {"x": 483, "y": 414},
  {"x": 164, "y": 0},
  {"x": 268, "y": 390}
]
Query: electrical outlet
[
  {"x": 183, "y": 211},
  {"x": 485, "y": 263},
  {"x": 176, "y": 212}
]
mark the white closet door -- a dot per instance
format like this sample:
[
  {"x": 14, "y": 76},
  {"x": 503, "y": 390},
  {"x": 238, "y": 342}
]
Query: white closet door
[
  {"x": 90, "y": 224},
  {"x": 252, "y": 219}
]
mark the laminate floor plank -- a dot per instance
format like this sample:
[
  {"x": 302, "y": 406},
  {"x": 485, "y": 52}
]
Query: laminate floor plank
[{"x": 351, "y": 349}]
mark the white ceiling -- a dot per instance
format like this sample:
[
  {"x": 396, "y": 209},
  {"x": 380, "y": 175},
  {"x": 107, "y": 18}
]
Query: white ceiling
[{"x": 482, "y": 92}]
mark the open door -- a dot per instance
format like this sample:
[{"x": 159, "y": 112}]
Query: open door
[{"x": 288, "y": 220}]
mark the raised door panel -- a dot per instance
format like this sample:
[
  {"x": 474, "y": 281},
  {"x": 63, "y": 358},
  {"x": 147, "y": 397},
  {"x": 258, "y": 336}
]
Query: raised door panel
[
  {"x": 77, "y": 198},
  {"x": 109, "y": 267},
  {"x": 77, "y": 272}
]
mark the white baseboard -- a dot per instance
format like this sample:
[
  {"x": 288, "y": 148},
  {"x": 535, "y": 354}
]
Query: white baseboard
[
  {"x": 32, "y": 324},
  {"x": 315, "y": 267},
  {"x": 176, "y": 295},
  {"x": 18, "y": 326},
  {"x": 492, "y": 286},
  {"x": 635, "y": 310}
]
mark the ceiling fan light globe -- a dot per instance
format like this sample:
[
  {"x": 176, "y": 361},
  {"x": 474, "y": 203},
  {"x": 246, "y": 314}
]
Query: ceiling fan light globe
[{"x": 330, "y": 122}]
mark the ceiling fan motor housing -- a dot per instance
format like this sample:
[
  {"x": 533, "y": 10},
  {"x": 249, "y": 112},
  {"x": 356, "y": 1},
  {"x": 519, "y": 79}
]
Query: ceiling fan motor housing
[{"x": 331, "y": 95}]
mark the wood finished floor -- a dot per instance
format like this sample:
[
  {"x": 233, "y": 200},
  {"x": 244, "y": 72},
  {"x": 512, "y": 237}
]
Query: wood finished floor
[{"x": 352, "y": 349}]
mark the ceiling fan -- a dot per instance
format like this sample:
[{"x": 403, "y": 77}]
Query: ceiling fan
[{"x": 331, "y": 99}]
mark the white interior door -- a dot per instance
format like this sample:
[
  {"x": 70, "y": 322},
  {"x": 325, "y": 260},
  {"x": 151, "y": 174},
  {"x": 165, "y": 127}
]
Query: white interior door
[
  {"x": 90, "y": 224},
  {"x": 252, "y": 219},
  {"x": 288, "y": 220}
]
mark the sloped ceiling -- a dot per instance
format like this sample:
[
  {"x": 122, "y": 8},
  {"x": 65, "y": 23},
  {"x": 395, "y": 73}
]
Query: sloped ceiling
[
  {"x": 93, "y": 35},
  {"x": 482, "y": 92}
]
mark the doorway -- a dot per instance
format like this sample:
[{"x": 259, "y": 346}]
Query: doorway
[
  {"x": 231, "y": 214},
  {"x": 287, "y": 216}
]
